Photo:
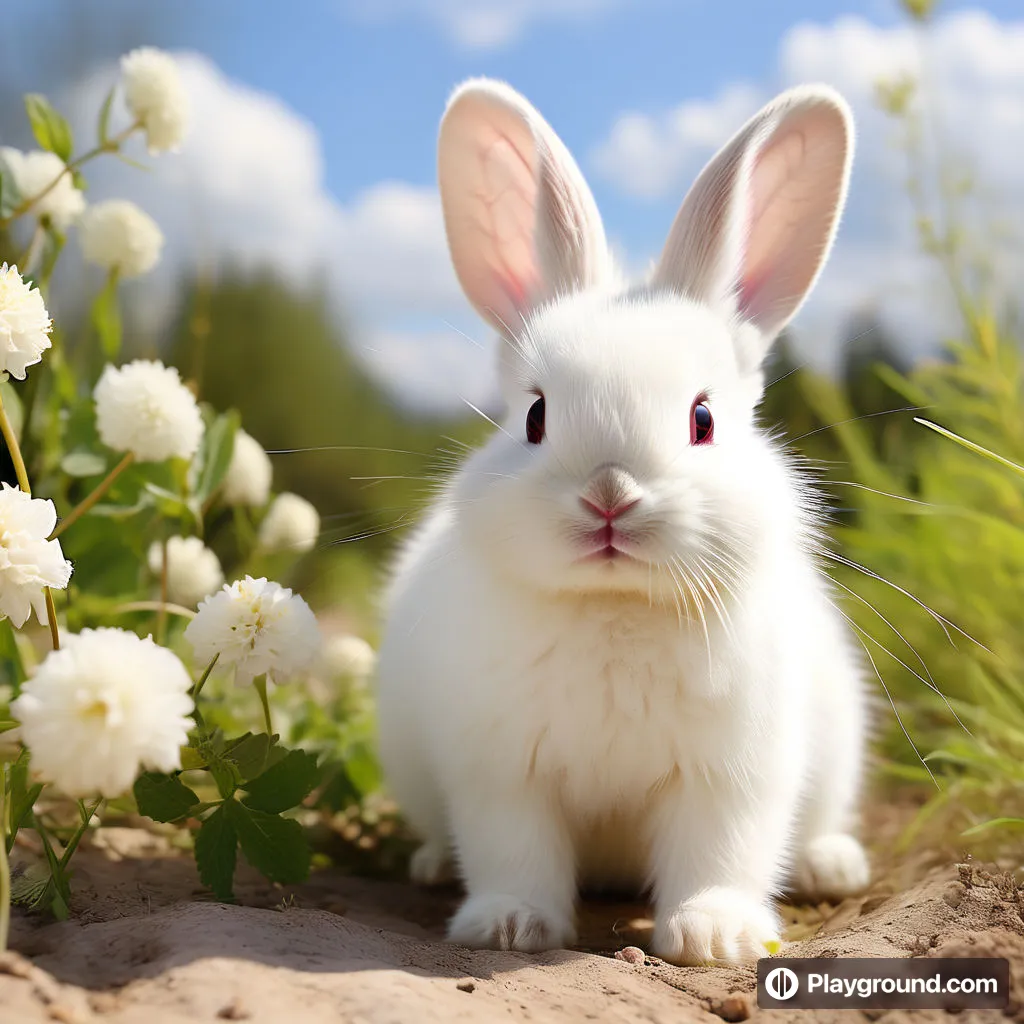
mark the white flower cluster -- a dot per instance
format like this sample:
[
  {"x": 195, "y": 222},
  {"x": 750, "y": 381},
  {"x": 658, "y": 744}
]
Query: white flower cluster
[
  {"x": 193, "y": 570},
  {"x": 247, "y": 481},
  {"x": 144, "y": 408},
  {"x": 29, "y": 562},
  {"x": 258, "y": 628},
  {"x": 117, "y": 235},
  {"x": 156, "y": 97},
  {"x": 24, "y": 324},
  {"x": 291, "y": 524},
  {"x": 105, "y": 705},
  {"x": 33, "y": 173}
]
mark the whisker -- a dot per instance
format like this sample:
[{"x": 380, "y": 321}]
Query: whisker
[
  {"x": 899, "y": 718},
  {"x": 857, "y": 419},
  {"x": 940, "y": 619}
]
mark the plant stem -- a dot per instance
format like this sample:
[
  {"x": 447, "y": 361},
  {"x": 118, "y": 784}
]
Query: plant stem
[
  {"x": 260, "y": 682},
  {"x": 5, "y": 867},
  {"x": 87, "y": 503},
  {"x": 161, "y": 615},
  {"x": 51, "y": 618},
  {"x": 110, "y": 146},
  {"x": 154, "y": 606},
  {"x": 202, "y": 679},
  {"x": 87, "y": 816},
  {"x": 11, "y": 439}
]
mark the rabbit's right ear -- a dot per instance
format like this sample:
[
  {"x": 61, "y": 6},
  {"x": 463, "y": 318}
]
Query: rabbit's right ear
[{"x": 522, "y": 224}]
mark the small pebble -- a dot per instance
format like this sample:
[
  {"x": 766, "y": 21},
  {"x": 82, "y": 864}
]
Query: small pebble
[
  {"x": 954, "y": 894},
  {"x": 466, "y": 986},
  {"x": 632, "y": 955},
  {"x": 734, "y": 1007},
  {"x": 235, "y": 1010}
]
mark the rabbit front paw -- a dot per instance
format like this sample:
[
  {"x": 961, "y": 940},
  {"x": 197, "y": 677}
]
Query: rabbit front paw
[
  {"x": 498, "y": 921},
  {"x": 718, "y": 924}
]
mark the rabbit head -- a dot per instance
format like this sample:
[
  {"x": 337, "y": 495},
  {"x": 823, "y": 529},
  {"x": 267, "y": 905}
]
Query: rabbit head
[{"x": 628, "y": 457}]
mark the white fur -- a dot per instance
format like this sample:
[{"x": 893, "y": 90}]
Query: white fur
[{"x": 689, "y": 719}]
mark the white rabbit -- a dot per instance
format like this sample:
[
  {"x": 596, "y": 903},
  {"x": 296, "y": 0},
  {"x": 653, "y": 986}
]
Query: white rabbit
[{"x": 610, "y": 657}]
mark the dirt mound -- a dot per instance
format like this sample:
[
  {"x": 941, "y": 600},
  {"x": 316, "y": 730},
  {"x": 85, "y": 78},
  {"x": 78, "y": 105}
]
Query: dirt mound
[{"x": 142, "y": 949}]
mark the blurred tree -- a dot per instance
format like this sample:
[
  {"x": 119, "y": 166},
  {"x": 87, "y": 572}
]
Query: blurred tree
[{"x": 279, "y": 357}]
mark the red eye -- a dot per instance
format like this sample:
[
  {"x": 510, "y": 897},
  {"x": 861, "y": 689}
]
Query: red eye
[
  {"x": 702, "y": 425},
  {"x": 535, "y": 422}
]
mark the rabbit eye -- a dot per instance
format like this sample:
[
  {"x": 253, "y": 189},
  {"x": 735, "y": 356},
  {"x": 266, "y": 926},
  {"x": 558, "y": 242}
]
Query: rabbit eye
[
  {"x": 702, "y": 424},
  {"x": 535, "y": 422}
]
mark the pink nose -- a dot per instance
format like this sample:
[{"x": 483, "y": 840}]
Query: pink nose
[
  {"x": 610, "y": 492},
  {"x": 609, "y": 514}
]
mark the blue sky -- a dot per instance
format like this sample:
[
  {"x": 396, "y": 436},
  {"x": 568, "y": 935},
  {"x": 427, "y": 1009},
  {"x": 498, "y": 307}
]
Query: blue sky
[{"x": 321, "y": 116}]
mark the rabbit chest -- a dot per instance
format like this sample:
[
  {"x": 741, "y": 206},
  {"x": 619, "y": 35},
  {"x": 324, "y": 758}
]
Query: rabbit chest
[{"x": 616, "y": 700}]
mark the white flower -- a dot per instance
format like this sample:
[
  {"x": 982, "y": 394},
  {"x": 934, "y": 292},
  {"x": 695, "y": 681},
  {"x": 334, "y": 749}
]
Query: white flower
[
  {"x": 117, "y": 235},
  {"x": 291, "y": 524},
  {"x": 259, "y": 628},
  {"x": 32, "y": 174},
  {"x": 104, "y": 705},
  {"x": 156, "y": 97},
  {"x": 193, "y": 570},
  {"x": 28, "y": 561},
  {"x": 247, "y": 481},
  {"x": 144, "y": 408},
  {"x": 349, "y": 657},
  {"x": 24, "y": 324}
]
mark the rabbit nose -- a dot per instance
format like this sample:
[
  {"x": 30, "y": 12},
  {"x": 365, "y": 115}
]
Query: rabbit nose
[{"x": 610, "y": 492}]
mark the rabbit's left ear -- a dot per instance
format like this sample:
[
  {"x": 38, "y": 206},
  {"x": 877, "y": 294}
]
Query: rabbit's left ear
[{"x": 754, "y": 231}]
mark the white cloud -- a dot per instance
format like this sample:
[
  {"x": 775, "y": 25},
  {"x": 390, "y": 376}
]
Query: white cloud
[
  {"x": 248, "y": 187},
  {"x": 973, "y": 69},
  {"x": 482, "y": 24},
  {"x": 647, "y": 156}
]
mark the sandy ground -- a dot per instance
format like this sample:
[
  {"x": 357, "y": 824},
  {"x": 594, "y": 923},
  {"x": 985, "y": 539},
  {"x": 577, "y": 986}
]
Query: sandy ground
[{"x": 145, "y": 946}]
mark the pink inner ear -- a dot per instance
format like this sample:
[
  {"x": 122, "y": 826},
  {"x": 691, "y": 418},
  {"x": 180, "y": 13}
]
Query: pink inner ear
[
  {"x": 776, "y": 209},
  {"x": 509, "y": 200}
]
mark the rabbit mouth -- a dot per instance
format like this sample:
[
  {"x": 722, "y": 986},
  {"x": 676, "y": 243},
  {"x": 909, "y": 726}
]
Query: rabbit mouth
[{"x": 607, "y": 545}]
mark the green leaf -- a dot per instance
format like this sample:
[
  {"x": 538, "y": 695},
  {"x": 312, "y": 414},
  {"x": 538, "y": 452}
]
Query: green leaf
[
  {"x": 253, "y": 753},
  {"x": 50, "y": 128},
  {"x": 163, "y": 797},
  {"x": 192, "y": 759},
  {"x": 224, "y": 773},
  {"x": 970, "y": 445},
  {"x": 285, "y": 785},
  {"x": 103, "y": 125},
  {"x": 12, "y": 668},
  {"x": 53, "y": 246},
  {"x": 1007, "y": 823},
  {"x": 83, "y": 464},
  {"x": 362, "y": 769},
  {"x": 106, "y": 317},
  {"x": 9, "y": 195},
  {"x": 275, "y": 846},
  {"x": 23, "y": 795},
  {"x": 214, "y": 455},
  {"x": 216, "y": 854}
]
